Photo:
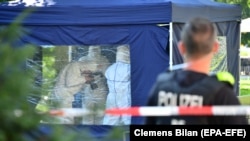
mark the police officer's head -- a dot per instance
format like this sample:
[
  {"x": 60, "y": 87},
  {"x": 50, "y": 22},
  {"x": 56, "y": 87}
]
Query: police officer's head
[{"x": 198, "y": 38}]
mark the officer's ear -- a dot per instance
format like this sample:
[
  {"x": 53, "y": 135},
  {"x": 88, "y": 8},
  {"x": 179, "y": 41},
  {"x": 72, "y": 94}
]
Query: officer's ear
[
  {"x": 181, "y": 48},
  {"x": 216, "y": 46}
]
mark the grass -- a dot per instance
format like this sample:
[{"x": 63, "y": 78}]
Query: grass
[
  {"x": 244, "y": 87},
  {"x": 244, "y": 96},
  {"x": 245, "y": 99}
]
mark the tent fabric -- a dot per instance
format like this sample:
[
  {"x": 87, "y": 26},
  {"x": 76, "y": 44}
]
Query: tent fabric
[
  {"x": 91, "y": 12},
  {"x": 148, "y": 59},
  {"x": 111, "y": 12},
  {"x": 183, "y": 10},
  {"x": 231, "y": 30},
  {"x": 132, "y": 22},
  {"x": 88, "y": 22}
]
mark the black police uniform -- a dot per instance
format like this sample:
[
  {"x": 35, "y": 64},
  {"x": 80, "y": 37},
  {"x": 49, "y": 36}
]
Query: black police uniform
[{"x": 189, "y": 88}]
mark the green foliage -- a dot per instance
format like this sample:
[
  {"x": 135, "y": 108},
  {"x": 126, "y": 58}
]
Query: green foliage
[
  {"x": 49, "y": 72},
  {"x": 4, "y": 0},
  {"x": 16, "y": 115},
  {"x": 244, "y": 87},
  {"x": 245, "y": 39},
  {"x": 245, "y": 4},
  {"x": 245, "y": 99},
  {"x": 244, "y": 53}
]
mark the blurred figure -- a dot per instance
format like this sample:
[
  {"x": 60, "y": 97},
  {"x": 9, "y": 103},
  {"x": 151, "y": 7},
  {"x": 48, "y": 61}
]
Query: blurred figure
[
  {"x": 193, "y": 85},
  {"x": 118, "y": 80},
  {"x": 82, "y": 84}
]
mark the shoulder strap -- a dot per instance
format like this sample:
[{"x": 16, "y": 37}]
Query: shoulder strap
[
  {"x": 208, "y": 85},
  {"x": 225, "y": 77}
]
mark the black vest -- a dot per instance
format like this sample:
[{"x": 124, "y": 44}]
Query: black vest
[{"x": 206, "y": 89}]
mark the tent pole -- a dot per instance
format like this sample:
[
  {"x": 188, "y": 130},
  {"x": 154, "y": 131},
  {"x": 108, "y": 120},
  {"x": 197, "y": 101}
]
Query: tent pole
[
  {"x": 170, "y": 45},
  {"x": 70, "y": 53},
  {"x": 239, "y": 61}
]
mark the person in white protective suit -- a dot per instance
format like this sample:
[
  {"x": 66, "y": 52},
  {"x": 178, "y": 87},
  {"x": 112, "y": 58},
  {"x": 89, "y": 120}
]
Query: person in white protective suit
[
  {"x": 85, "y": 78},
  {"x": 118, "y": 80}
]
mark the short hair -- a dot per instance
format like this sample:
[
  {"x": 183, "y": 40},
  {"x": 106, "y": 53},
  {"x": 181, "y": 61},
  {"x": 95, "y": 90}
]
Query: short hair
[{"x": 198, "y": 36}]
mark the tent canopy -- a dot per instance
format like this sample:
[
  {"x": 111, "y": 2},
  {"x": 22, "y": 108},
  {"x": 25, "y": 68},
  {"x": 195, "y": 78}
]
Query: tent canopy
[
  {"x": 111, "y": 12},
  {"x": 88, "y": 22},
  {"x": 183, "y": 10}
]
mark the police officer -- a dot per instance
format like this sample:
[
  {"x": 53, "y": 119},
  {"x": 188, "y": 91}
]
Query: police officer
[{"x": 193, "y": 85}]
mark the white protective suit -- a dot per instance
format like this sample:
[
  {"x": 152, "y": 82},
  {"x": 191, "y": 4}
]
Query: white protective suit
[
  {"x": 118, "y": 79},
  {"x": 71, "y": 81}
]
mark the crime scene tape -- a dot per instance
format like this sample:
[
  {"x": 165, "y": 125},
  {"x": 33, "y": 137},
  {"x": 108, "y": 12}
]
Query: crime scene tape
[
  {"x": 157, "y": 111},
  {"x": 181, "y": 111},
  {"x": 71, "y": 112}
]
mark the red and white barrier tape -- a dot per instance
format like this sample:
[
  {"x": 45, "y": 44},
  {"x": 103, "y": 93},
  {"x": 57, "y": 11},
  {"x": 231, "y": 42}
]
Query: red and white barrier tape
[
  {"x": 181, "y": 111},
  {"x": 70, "y": 112},
  {"x": 158, "y": 111}
]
